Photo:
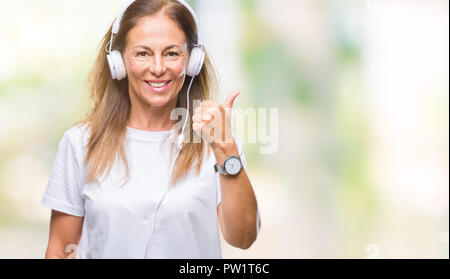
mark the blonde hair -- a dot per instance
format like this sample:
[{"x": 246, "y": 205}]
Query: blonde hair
[{"x": 110, "y": 102}]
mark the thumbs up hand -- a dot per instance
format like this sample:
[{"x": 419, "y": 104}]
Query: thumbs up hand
[{"x": 212, "y": 121}]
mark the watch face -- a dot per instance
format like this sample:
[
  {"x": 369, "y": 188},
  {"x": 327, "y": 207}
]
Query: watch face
[{"x": 233, "y": 165}]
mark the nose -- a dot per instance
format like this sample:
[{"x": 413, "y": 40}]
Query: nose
[{"x": 158, "y": 67}]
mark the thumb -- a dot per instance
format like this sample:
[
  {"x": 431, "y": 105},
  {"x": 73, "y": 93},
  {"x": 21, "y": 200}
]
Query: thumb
[{"x": 230, "y": 99}]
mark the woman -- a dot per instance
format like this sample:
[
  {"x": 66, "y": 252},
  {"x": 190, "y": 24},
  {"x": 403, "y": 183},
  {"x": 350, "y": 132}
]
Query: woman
[{"x": 116, "y": 189}]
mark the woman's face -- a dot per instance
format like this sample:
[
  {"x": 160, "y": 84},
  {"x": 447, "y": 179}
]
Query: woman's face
[{"x": 155, "y": 58}]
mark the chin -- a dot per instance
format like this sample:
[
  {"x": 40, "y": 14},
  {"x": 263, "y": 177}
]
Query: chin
[{"x": 156, "y": 100}]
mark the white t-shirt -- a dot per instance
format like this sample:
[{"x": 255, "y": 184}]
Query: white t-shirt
[{"x": 118, "y": 220}]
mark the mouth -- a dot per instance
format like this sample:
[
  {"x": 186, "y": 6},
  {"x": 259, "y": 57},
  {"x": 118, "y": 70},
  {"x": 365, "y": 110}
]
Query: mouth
[{"x": 158, "y": 85}]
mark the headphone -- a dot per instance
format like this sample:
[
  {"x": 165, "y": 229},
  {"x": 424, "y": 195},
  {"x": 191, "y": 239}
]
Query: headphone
[{"x": 118, "y": 72}]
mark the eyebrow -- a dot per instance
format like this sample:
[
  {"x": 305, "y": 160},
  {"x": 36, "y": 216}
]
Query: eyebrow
[{"x": 147, "y": 48}]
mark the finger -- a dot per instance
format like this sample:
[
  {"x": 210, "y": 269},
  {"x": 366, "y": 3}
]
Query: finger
[
  {"x": 198, "y": 110},
  {"x": 207, "y": 103},
  {"x": 199, "y": 128},
  {"x": 196, "y": 118},
  {"x": 230, "y": 99},
  {"x": 196, "y": 127},
  {"x": 202, "y": 109},
  {"x": 206, "y": 117},
  {"x": 202, "y": 117}
]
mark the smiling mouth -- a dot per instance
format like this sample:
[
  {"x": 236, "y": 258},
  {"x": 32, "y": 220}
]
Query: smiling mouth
[{"x": 158, "y": 84}]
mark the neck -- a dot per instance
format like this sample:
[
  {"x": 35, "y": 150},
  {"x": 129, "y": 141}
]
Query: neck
[{"x": 151, "y": 118}]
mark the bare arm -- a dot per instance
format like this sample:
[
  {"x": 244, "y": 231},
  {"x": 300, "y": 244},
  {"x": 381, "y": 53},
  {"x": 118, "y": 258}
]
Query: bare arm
[
  {"x": 65, "y": 230},
  {"x": 238, "y": 210}
]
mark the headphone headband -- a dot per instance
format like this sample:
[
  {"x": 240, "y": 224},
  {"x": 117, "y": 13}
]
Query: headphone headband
[{"x": 116, "y": 24}]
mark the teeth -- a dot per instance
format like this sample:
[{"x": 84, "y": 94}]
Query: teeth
[{"x": 157, "y": 84}]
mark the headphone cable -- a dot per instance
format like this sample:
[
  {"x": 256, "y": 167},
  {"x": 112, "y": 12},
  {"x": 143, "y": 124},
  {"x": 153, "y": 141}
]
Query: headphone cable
[{"x": 179, "y": 147}]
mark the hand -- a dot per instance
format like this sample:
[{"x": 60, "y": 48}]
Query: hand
[{"x": 212, "y": 121}]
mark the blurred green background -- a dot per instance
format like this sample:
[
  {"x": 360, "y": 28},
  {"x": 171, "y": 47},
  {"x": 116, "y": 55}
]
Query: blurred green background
[{"x": 362, "y": 91}]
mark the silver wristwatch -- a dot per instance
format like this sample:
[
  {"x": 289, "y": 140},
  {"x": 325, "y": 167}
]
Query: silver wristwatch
[{"x": 232, "y": 166}]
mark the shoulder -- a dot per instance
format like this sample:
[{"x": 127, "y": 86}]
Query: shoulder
[{"x": 77, "y": 136}]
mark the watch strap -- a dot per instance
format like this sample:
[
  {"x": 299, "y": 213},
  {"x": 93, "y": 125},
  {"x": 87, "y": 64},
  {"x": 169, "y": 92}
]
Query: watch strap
[{"x": 220, "y": 169}]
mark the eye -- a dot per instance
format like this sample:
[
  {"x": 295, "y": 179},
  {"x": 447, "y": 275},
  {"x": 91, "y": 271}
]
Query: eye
[
  {"x": 172, "y": 54},
  {"x": 142, "y": 53}
]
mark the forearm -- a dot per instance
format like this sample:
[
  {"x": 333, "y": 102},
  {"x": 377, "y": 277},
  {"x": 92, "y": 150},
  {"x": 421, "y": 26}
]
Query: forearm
[
  {"x": 55, "y": 251},
  {"x": 239, "y": 206}
]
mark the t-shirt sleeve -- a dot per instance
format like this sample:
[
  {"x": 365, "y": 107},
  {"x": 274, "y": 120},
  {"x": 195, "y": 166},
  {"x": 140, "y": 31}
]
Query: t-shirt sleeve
[
  {"x": 63, "y": 189},
  {"x": 244, "y": 164}
]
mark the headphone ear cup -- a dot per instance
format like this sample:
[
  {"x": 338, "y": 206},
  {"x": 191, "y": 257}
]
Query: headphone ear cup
[
  {"x": 116, "y": 65},
  {"x": 112, "y": 68},
  {"x": 195, "y": 61}
]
